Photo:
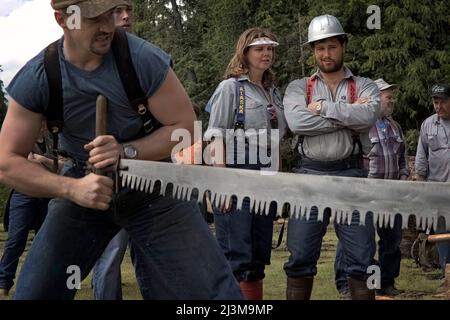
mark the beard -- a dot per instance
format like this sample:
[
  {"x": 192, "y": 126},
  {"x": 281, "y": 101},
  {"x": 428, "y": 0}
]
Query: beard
[
  {"x": 335, "y": 67},
  {"x": 99, "y": 48}
]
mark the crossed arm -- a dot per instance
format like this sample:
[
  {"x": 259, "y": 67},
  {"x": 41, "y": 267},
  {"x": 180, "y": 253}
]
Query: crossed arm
[{"x": 303, "y": 119}]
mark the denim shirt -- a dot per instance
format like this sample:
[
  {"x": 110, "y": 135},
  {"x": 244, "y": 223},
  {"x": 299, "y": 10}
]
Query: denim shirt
[
  {"x": 433, "y": 150},
  {"x": 223, "y": 105}
]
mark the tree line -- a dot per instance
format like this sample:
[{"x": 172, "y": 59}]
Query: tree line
[{"x": 411, "y": 48}]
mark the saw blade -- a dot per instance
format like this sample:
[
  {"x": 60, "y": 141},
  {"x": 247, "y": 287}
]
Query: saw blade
[{"x": 427, "y": 201}]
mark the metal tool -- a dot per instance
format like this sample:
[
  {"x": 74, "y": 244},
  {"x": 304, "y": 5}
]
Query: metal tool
[{"x": 385, "y": 198}]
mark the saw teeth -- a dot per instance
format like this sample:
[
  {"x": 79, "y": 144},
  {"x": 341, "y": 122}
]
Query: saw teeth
[
  {"x": 138, "y": 183},
  {"x": 339, "y": 216},
  {"x": 152, "y": 186},
  {"x": 213, "y": 199},
  {"x": 320, "y": 214},
  {"x": 239, "y": 202},
  {"x": 293, "y": 212},
  {"x": 362, "y": 218},
  {"x": 130, "y": 182},
  {"x": 163, "y": 188},
  {"x": 175, "y": 192},
  {"x": 391, "y": 222},
  {"x": 258, "y": 207},
  {"x": 182, "y": 193},
  {"x": 405, "y": 219},
  {"x": 382, "y": 216},
  {"x": 135, "y": 184},
  {"x": 142, "y": 183},
  {"x": 124, "y": 181},
  {"x": 224, "y": 199},
  {"x": 189, "y": 194},
  {"x": 266, "y": 208},
  {"x": 418, "y": 222},
  {"x": 219, "y": 200},
  {"x": 308, "y": 214}
]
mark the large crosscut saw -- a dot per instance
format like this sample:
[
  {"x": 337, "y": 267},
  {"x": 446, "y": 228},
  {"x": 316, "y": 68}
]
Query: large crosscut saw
[{"x": 427, "y": 201}]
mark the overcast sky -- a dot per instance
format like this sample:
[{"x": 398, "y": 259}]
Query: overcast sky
[{"x": 26, "y": 27}]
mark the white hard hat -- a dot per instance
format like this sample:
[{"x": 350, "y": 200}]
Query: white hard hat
[{"x": 323, "y": 27}]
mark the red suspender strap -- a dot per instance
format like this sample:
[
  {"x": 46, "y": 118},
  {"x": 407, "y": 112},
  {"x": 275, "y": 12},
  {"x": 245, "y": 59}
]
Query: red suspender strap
[
  {"x": 309, "y": 89},
  {"x": 351, "y": 91}
]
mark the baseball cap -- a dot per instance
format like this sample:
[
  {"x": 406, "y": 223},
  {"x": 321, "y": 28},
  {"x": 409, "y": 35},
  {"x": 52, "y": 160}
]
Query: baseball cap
[
  {"x": 383, "y": 85},
  {"x": 440, "y": 90},
  {"x": 89, "y": 8}
]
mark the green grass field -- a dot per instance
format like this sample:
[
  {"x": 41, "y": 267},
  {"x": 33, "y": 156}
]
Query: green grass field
[{"x": 416, "y": 283}]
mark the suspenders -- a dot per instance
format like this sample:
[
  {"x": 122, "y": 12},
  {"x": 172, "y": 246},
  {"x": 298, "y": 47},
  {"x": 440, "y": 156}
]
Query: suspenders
[
  {"x": 351, "y": 89},
  {"x": 351, "y": 97},
  {"x": 240, "y": 112}
]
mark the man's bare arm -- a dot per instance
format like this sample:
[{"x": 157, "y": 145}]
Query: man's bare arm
[
  {"x": 171, "y": 106},
  {"x": 17, "y": 137}
]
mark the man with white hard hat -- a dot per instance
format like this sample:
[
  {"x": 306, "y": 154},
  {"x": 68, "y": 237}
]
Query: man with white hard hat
[{"x": 331, "y": 112}]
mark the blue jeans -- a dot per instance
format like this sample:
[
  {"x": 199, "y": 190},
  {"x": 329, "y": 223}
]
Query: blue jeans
[
  {"x": 106, "y": 275},
  {"x": 443, "y": 247},
  {"x": 305, "y": 238},
  {"x": 177, "y": 256},
  {"x": 389, "y": 256},
  {"x": 246, "y": 239},
  {"x": 25, "y": 213}
]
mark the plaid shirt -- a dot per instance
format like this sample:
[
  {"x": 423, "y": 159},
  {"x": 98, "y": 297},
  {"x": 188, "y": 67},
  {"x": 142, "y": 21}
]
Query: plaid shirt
[{"x": 388, "y": 157}]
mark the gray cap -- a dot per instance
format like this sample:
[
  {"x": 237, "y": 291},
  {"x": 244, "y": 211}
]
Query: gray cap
[
  {"x": 323, "y": 27},
  {"x": 383, "y": 85}
]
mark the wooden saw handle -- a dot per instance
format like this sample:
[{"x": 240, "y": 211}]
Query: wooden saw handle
[
  {"x": 100, "y": 122},
  {"x": 439, "y": 237},
  {"x": 101, "y": 116}
]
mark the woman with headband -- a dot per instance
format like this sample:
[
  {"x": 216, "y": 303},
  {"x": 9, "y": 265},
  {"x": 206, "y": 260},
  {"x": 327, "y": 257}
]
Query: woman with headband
[{"x": 245, "y": 109}]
